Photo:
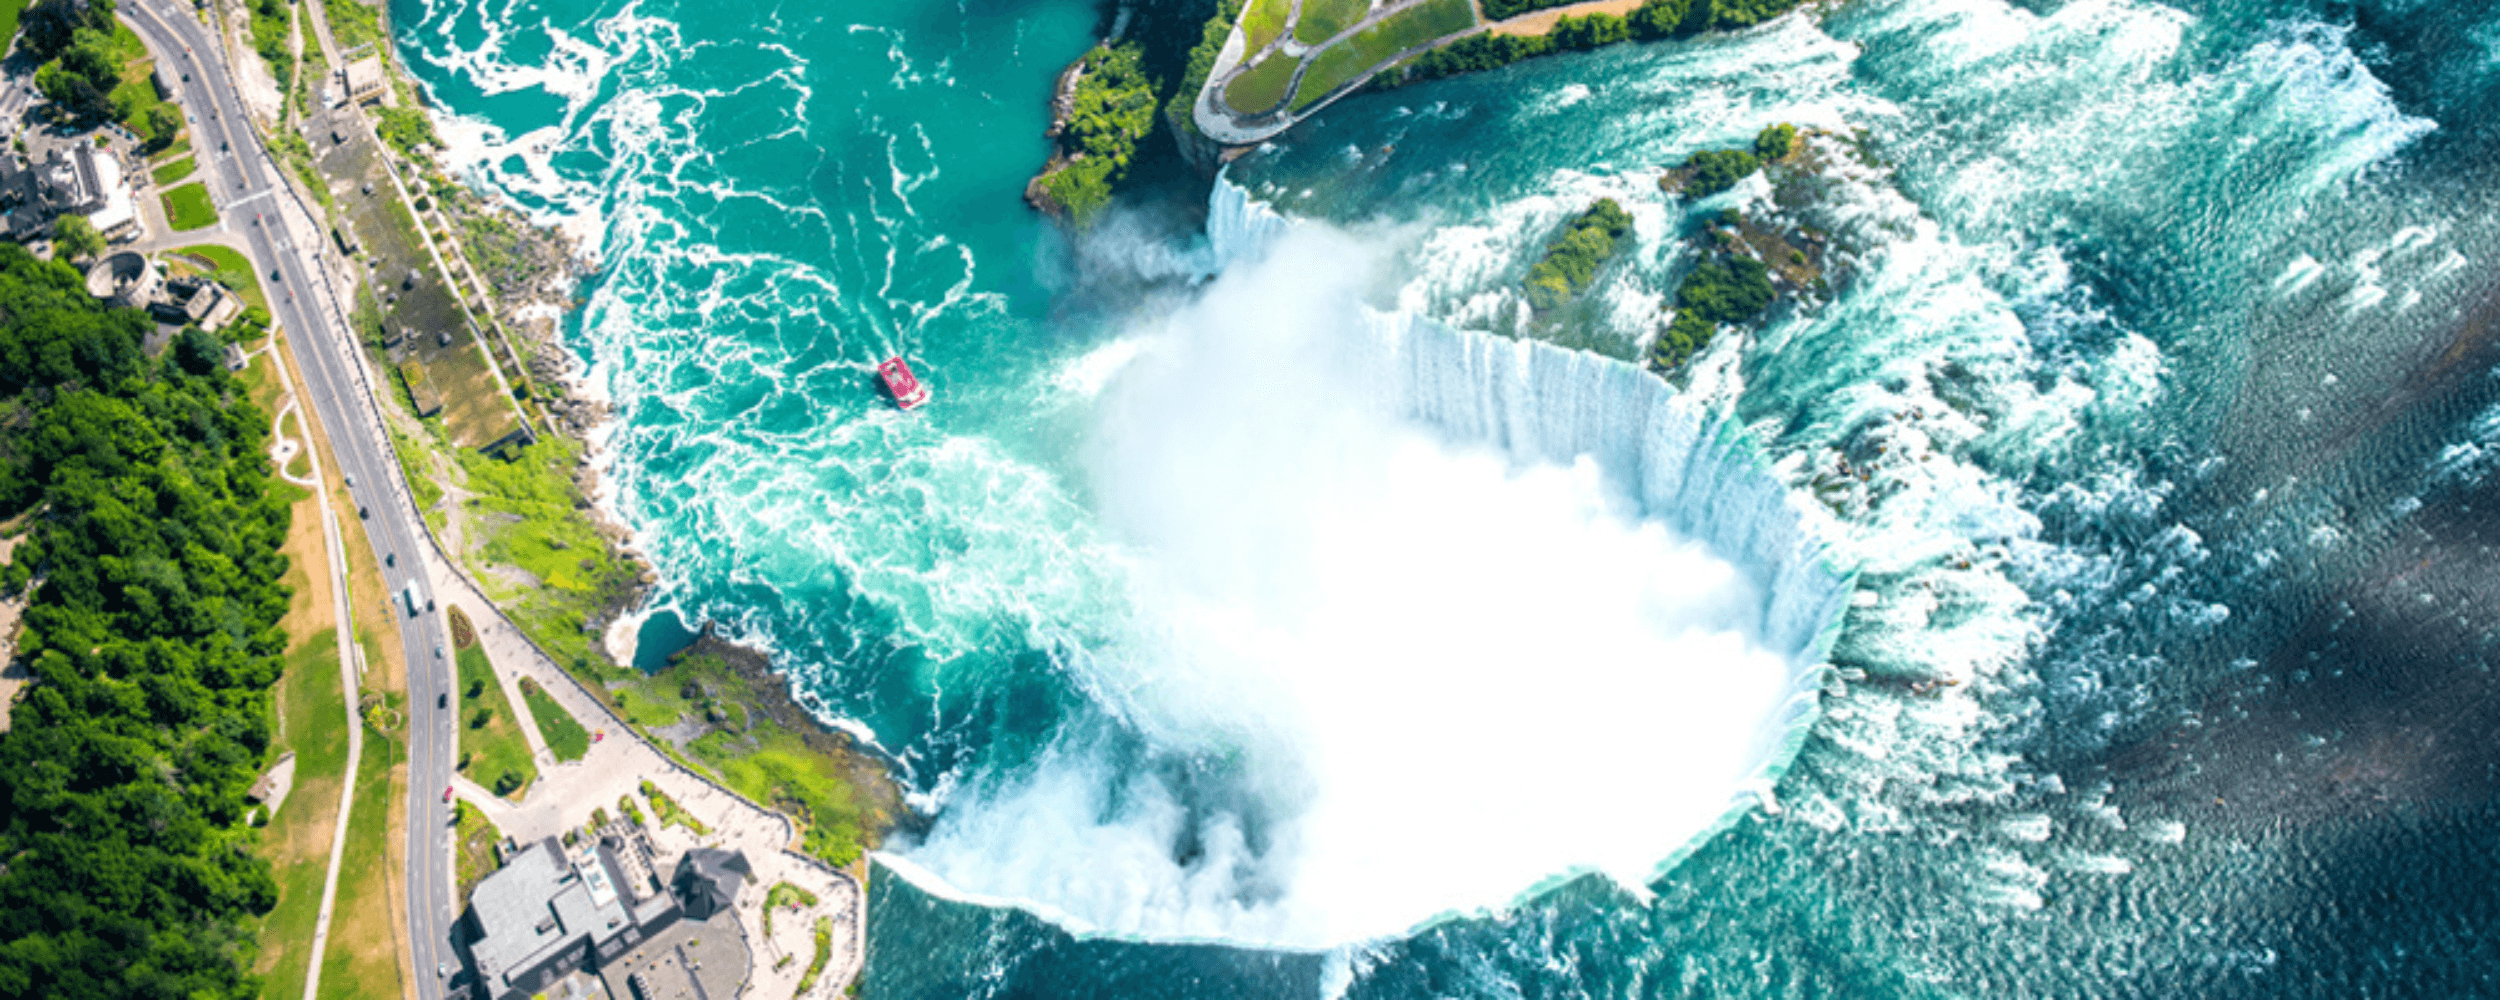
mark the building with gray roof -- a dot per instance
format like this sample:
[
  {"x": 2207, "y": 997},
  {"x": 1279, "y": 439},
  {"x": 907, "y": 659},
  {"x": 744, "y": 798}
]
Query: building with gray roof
[{"x": 548, "y": 913}]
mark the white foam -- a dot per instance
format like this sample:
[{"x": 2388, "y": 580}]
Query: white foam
[{"x": 1359, "y": 617}]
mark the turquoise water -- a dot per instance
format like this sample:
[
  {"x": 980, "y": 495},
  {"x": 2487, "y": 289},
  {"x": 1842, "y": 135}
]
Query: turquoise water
[{"x": 2157, "y": 345}]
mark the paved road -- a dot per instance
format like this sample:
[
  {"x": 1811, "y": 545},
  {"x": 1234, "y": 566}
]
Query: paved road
[{"x": 287, "y": 246}]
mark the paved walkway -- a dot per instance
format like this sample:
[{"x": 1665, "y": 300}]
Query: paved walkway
[
  {"x": 618, "y": 763},
  {"x": 350, "y": 684}
]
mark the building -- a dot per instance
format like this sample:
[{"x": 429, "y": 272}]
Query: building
[
  {"x": 128, "y": 280},
  {"x": 708, "y": 879},
  {"x": 362, "y": 80},
  {"x": 81, "y": 182},
  {"x": 125, "y": 280},
  {"x": 197, "y": 300},
  {"x": 549, "y": 913}
]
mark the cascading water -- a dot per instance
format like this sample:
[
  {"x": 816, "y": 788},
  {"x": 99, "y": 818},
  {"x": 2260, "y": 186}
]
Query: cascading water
[
  {"x": 2158, "y": 348},
  {"x": 1386, "y": 576}
]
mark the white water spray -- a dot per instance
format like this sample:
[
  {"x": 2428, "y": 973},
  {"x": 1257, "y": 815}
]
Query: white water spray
[{"x": 1420, "y": 621}]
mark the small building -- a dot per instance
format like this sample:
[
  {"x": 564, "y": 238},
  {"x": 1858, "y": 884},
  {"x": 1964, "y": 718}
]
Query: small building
[
  {"x": 363, "y": 80},
  {"x": 197, "y": 300},
  {"x": 708, "y": 879},
  {"x": 124, "y": 280}
]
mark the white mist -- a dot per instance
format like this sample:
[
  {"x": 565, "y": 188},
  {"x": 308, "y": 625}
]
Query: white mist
[{"x": 1420, "y": 675}]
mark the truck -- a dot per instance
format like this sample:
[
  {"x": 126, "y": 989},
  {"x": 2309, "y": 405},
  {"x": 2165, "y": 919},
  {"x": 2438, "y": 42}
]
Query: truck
[{"x": 416, "y": 599}]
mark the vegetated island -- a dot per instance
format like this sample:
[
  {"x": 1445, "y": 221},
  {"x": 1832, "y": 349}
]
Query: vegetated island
[
  {"x": 1254, "y": 67},
  {"x": 1734, "y": 282},
  {"x": 1103, "y": 106},
  {"x": 1746, "y": 264}
]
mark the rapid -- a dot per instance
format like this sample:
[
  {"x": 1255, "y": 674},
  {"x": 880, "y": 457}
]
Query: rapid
[{"x": 1255, "y": 616}]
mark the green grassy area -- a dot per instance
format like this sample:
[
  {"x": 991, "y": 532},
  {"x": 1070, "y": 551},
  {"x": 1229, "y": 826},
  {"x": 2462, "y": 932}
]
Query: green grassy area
[
  {"x": 1343, "y": 62},
  {"x": 473, "y": 842},
  {"x": 774, "y": 766},
  {"x": 1262, "y": 22},
  {"x": 9, "y": 11},
  {"x": 176, "y": 170},
  {"x": 542, "y": 560},
  {"x": 187, "y": 207},
  {"x": 1323, "y": 19},
  {"x": 363, "y": 955},
  {"x": 492, "y": 750},
  {"x": 824, "y": 951},
  {"x": 670, "y": 813},
  {"x": 754, "y": 755},
  {"x": 354, "y": 23},
  {"x": 312, "y": 722},
  {"x": 228, "y": 267},
  {"x": 1263, "y": 86},
  {"x": 271, "y": 28},
  {"x": 413, "y": 466},
  {"x": 564, "y": 735},
  {"x": 136, "y": 95},
  {"x": 784, "y": 894}
]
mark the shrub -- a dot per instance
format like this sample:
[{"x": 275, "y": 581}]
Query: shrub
[
  {"x": 1716, "y": 170},
  {"x": 1571, "y": 262},
  {"x": 508, "y": 782},
  {"x": 1775, "y": 141}
]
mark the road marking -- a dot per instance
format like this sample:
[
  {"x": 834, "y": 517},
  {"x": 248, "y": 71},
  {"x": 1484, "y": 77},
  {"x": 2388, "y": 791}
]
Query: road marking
[{"x": 253, "y": 197}]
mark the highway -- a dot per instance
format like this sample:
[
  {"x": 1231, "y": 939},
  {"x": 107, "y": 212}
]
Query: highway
[{"x": 287, "y": 246}]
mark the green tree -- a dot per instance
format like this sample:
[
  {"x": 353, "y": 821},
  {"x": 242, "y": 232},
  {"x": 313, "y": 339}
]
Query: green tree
[
  {"x": 164, "y": 125},
  {"x": 75, "y": 238},
  {"x": 1716, "y": 170},
  {"x": 49, "y": 26},
  {"x": 1775, "y": 141}
]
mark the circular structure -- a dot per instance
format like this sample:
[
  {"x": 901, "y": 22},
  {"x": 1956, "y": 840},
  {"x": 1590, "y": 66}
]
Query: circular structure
[{"x": 124, "y": 280}]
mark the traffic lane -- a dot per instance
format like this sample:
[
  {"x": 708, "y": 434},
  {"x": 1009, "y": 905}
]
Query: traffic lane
[{"x": 389, "y": 534}]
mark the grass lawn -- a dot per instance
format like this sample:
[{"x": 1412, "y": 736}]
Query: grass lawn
[
  {"x": 1351, "y": 58},
  {"x": 1263, "y": 86},
  {"x": 490, "y": 751},
  {"x": 1323, "y": 19},
  {"x": 353, "y": 22},
  {"x": 312, "y": 721},
  {"x": 771, "y": 765},
  {"x": 9, "y": 10},
  {"x": 363, "y": 958},
  {"x": 475, "y": 849},
  {"x": 176, "y": 170},
  {"x": 188, "y": 208},
  {"x": 784, "y": 894},
  {"x": 564, "y": 735},
  {"x": 1262, "y": 21},
  {"x": 542, "y": 560},
  {"x": 227, "y": 266}
]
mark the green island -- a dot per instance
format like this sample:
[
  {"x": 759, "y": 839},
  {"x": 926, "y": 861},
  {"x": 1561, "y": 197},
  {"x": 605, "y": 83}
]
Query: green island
[
  {"x": 1571, "y": 262},
  {"x": 1744, "y": 261},
  {"x": 153, "y": 640},
  {"x": 1107, "y": 106}
]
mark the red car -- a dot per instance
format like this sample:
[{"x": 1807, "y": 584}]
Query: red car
[
  {"x": 446, "y": 793},
  {"x": 901, "y": 384}
]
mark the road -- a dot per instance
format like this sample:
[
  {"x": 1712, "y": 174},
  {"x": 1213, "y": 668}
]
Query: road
[{"x": 287, "y": 245}]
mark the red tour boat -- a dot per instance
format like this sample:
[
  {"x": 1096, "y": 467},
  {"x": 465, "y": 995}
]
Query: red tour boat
[{"x": 901, "y": 383}]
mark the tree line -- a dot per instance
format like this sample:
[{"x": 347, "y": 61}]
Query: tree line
[
  {"x": 1651, "y": 21},
  {"x": 151, "y": 567}
]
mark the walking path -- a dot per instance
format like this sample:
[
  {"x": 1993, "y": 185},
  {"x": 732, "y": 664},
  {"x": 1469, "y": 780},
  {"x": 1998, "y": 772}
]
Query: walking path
[{"x": 349, "y": 683}]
